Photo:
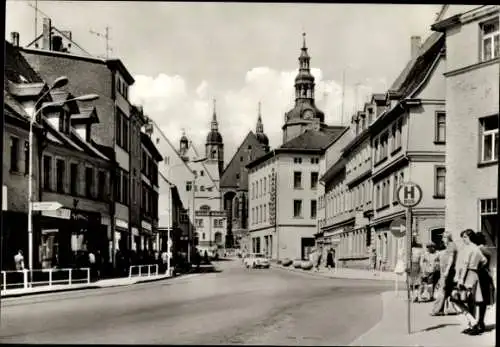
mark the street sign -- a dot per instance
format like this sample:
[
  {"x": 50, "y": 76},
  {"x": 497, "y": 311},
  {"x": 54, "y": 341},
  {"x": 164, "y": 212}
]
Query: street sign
[
  {"x": 46, "y": 206},
  {"x": 398, "y": 227},
  {"x": 409, "y": 194}
]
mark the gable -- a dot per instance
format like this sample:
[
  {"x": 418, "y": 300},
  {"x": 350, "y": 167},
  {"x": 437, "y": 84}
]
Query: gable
[
  {"x": 434, "y": 85},
  {"x": 240, "y": 159}
]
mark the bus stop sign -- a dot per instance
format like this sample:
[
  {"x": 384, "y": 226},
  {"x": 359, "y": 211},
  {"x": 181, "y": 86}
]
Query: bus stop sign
[{"x": 409, "y": 194}]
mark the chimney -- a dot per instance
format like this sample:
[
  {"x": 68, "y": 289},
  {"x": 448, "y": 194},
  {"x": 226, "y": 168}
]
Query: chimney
[
  {"x": 415, "y": 46},
  {"x": 46, "y": 34},
  {"x": 57, "y": 43},
  {"x": 15, "y": 38}
]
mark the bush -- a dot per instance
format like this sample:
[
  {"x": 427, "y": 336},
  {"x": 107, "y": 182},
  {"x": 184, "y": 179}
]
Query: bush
[
  {"x": 297, "y": 263},
  {"x": 286, "y": 262},
  {"x": 306, "y": 265}
]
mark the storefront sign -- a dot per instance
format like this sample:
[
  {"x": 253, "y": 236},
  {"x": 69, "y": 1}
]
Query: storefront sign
[
  {"x": 121, "y": 223},
  {"x": 135, "y": 231},
  {"x": 272, "y": 201},
  {"x": 4, "y": 198},
  {"x": 146, "y": 225},
  {"x": 105, "y": 220},
  {"x": 62, "y": 213}
]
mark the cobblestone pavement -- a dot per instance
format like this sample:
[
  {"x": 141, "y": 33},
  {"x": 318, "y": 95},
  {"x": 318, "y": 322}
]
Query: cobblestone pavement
[{"x": 233, "y": 306}]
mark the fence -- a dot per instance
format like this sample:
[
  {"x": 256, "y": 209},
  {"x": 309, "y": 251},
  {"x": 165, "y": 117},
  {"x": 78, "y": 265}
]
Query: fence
[
  {"x": 143, "y": 270},
  {"x": 24, "y": 279}
]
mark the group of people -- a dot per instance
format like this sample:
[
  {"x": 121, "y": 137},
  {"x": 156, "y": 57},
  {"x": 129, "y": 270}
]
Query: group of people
[
  {"x": 316, "y": 257},
  {"x": 459, "y": 279}
]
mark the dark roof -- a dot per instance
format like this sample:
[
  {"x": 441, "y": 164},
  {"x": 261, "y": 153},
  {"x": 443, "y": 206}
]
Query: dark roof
[
  {"x": 146, "y": 140},
  {"x": 416, "y": 69},
  {"x": 300, "y": 107},
  {"x": 314, "y": 139},
  {"x": 214, "y": 137},
  {"x": 17, "y": 68},
  {"x": 118, "y": 64},
  {"x": 238, "y": 167}
]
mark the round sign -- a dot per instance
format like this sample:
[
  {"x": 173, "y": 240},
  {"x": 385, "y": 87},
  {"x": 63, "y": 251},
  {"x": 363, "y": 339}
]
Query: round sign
[
  {"x": 409, "y": 194},
  {"x": 398, "y": 227}
]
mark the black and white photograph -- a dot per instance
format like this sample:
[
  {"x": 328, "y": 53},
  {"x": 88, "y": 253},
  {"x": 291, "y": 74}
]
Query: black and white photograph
[{"x": 249, "y": 173}]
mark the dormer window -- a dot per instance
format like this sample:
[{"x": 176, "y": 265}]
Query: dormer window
[{"x": 87, "y": 133}]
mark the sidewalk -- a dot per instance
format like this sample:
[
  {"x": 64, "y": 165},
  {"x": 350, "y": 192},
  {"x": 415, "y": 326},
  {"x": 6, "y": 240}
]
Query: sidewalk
[
  {"x": 346, "y": 273},
  {"x": 426, "y": 330}
]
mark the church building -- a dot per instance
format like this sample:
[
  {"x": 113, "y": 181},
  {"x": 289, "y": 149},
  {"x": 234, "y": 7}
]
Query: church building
[{"x": 283, "y": 183}]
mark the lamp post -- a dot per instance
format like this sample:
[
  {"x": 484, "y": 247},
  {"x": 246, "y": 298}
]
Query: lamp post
[{"x": 58, "y": 83}]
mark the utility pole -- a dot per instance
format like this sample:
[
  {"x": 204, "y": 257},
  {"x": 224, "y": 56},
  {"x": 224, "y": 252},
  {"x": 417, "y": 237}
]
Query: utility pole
[
  {"x": 36, "y": 19},
  {"x": 106, "y": 38}
]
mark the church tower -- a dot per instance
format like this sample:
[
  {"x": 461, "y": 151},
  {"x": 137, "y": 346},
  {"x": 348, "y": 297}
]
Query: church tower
[
  {"x": 183, "y": 146},
  {"x": 214, "y": 147},
  {"x": 259, "y": 132},
  {"x": 305, "y": 114}
]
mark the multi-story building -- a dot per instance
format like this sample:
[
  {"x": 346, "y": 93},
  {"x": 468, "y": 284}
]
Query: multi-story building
[
  {"x": 283, "y": 183},
  {"x": 234, "y": 184},
  {"x": 110, "y": 80},
  {"x": 22, "y": 86},
  {"x": 472, "y": 109},
  {"x": 149, "y": 191}
]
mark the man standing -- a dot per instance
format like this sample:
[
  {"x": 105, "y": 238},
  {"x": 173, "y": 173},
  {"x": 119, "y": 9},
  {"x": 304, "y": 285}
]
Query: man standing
[
  {"x": 92, "y": 265},
  {"x": 19, "y": 260}
]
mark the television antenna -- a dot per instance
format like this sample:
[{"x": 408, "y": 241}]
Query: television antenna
[{"x": 106, "y": 37}]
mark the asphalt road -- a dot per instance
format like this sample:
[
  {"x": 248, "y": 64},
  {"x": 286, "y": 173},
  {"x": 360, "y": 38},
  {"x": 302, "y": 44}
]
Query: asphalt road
[{"x": 234, "y": 306}]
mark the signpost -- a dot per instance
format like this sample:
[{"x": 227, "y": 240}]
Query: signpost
[
  {"x": 398, "y": 230},
  {"x": 409, "y": 195},
  {"x": 46, "y": 206}
]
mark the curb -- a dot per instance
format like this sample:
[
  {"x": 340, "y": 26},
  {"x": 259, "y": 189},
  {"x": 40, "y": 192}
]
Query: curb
[{"x": 313, "y": 273}]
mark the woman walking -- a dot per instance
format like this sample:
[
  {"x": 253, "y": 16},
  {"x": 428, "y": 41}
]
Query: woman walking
[
  {"x": 448, "y": 258},
  {"x": 329, "y": 259},
  {"x": 468, "y": 292}
]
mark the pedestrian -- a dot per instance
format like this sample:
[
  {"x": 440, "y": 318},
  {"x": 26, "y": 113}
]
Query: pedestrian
[
  {"x": 447, "y": 259},
  {"x": 468, "y": 290},
  {"x": 329, "y": 259},
  {"x": 318, "y": 258},
  {"x": 373, "y": 260},
  {"x": 98, "y": 264},
  {"x": 205, "y": 257},
  {"x": 92, "y": 264},
  {"x": 429, "y": 265},
  {"x": 415, "y": 270},
  {"x": 485, "y": 294},
  {"x": 19, "y": 260}
]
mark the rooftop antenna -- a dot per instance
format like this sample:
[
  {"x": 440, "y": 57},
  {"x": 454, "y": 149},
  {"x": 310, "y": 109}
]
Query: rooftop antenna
[
  {"x": 106, "y": 37},
  {"x": 36, "y": 19}
]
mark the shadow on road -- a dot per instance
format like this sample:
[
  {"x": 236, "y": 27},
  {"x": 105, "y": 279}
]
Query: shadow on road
[
  {"x": 205, "y": 269},
  {"x": 439, "y": 326}
]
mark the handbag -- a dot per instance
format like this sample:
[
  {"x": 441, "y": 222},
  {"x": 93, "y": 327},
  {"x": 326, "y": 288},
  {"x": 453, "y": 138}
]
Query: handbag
[{"x": 450, "y": 308}]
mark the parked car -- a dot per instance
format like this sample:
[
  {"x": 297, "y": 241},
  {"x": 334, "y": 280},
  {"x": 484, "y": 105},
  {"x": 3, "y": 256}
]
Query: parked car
[{"x": 256, "y": 261}]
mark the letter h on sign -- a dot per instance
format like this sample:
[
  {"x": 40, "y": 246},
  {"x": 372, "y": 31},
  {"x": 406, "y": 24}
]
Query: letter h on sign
[{"x": 409, "y": 192}]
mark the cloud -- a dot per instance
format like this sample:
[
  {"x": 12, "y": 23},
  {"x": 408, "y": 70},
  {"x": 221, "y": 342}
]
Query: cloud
[{"x": 173, "y": 106}]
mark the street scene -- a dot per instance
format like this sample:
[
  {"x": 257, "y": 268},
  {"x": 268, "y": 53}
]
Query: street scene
[{"x": 250, "y": 173}]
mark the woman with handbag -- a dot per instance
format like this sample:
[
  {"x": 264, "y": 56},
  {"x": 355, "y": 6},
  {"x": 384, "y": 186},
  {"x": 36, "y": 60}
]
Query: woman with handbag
[
  {"x": 468, "y": 291},
  {"x": 485, "y": 283},
  {"x": 448, "y": 259}
]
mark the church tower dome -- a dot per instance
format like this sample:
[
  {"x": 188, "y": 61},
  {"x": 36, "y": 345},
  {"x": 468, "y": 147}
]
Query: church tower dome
[
  {"x": 214, "y": 146},
  {"x": 304, "y": 113}
]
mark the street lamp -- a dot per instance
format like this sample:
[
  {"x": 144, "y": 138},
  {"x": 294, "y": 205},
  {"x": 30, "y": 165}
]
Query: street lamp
[{"x": 58, "y": 83}]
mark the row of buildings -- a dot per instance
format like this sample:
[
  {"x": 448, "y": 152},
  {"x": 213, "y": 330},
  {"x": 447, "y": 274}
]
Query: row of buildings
[
  {"x": 437, "y": 126},
  {"x": 123, "y": 186}
]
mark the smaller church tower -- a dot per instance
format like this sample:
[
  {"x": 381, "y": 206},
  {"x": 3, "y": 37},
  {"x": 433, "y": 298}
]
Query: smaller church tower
[
  {"x": 259, "y": 131},
  {"x": 214, "y": 147}
]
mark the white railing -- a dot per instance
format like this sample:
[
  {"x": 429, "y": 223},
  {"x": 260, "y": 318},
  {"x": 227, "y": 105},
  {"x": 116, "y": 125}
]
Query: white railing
[
  {"x": 24, "y": 279},
  {"x": 143, "y": 270}
]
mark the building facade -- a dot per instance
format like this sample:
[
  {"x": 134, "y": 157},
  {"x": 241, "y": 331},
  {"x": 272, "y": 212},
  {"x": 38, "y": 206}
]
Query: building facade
[
  {"x": 472, "y": 109},
  {"x": 110, "y": 80},
  {"x": 234, "y": 185}
]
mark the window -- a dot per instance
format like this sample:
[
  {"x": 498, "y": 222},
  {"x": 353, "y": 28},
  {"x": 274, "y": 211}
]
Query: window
[
  {"x": 314, "y": 208},
  {"x": 297, "y": 180},
  {"x": 26, "y": 157},
  {"x": 264, "y": 211},
  {"x": 489, "y": 139},
  {"x": 14, "y": 154},
  {"x": 101, "y": 184},
  {"x": 314, "y": 180},
  {"x": 118, "y": 127},
  {"x": 125, "y": 125},
  {"x": 377, "y": 196},
  {"x": 395, "y": 188},
  {"x": 297, "y": 208},
  {"x": 439, "y": 190},
  {"x": 490, "y": 37},
  {"x": 384, "y": 145},
  {"x": 393, "y": 135},
  {"x": 189, "y": 186},
  {"x": 202, "y": 188},
  {"x": 199, "y": 222},
  {"x": 89, "y": 181},
  {"x": 203, "y": 236},
  {"x": 489, "y": 220},
  {"x": 297, "y": 160},
  {"x": 60, "y": 171},
  {"x": 122, "y": 130},
  {"x": 73, "y": 185},
  {"x": 376, "y": 151},
  {"x": 399, "y": 129},
  {"x": 47, "y": 172},
  {"x": 265, "y": 184},
  {"x": 440, "y": 127}
]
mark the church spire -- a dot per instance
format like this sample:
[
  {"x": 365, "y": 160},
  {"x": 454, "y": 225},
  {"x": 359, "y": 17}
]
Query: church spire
[
  {"x": 214, "y": 124},
  {"x": 304, "y": 82},
  {"x": 260, "y": 126}
]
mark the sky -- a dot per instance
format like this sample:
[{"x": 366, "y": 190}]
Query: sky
[{"x": 184, "y": 55}]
